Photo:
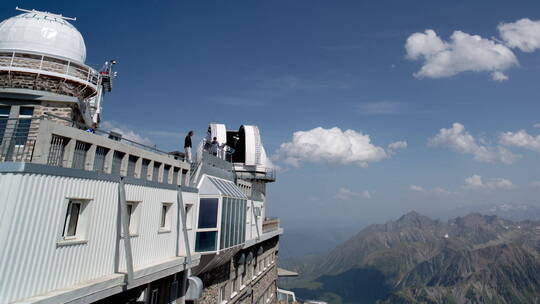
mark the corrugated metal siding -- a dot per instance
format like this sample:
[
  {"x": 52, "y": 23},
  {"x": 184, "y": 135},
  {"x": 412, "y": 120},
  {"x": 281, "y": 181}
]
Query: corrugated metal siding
[{"x": 32, "y": 213}]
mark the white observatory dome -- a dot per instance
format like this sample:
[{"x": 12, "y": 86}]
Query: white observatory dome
[{"x": 43, "y": 33}]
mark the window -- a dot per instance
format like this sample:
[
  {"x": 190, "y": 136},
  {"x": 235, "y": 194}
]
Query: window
[
  {"x": 154, "y": 297},
  {"x": 79, "y": 155},
  {"x": 243, "y": 276},
  {"x": 132, "y": 163},
  {"x": 74, "y": 220},
  {"x": 166, "y": 171},
  {"x": 155, "y": 172},
  {"x": 165, "y": 217},
  {"x": 189, "y": 216},
  {"x": 233, "y": 219},
  {"x": 144, "y": 168},
  {"x": 176, "y": 171},
  {"x": 208, "y": 209},
  {"x": 133, "y": 217},
  {"x": 222, "y": 296},
  {"x": 4, "y": 115},
  {"x": 205, "y": 241},
  {"x": 99, "y": 159},
  {"x": 117, "y": 162},
  {"x": 23, "y": 125}
]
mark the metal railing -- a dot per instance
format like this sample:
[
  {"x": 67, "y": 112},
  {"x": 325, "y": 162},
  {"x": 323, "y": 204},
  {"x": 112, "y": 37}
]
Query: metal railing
[
  {"x": 47, "y": 140},
  {"x": 108, "y": 134},
  {"x": 270, "y": 224},
  {"x": 17, "y": 139},
  {"x": 18, "y": 61}
]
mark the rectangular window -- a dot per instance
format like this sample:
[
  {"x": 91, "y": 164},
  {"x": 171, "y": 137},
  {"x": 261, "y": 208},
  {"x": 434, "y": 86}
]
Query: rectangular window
[
  {"x": 189, "y": 216},
  {"x": 154, "y": 299},
  {"x": 99, "y": 159},
  {"x": 165, "y": 216},
  {"x": 205, "y": 241},
  {"x": 166, "y": 170},
  {"x": 176, "y": 171},
  {"x": 208, "y": 209},
  {"x": 4, "y": 116},
  {"x": 23, "y": 125},
  {"x": 132, "y": 163},
  {"x": 133, "y": 217},
  {"x": 79, "y": 155},
  {"x": 144, "y": 168},
  {"x": 56, "y": 150},
  {"x": 117, "y": 162},
  {"x": 73, "y": 220},
  {"x": 222, "y": 296},
  {"x": 155, "y": 172}
]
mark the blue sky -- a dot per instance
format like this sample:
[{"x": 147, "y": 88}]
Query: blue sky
[{"x": 290, "y": 66}]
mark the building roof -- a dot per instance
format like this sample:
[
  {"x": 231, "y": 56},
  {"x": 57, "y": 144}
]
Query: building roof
[
  {"x": 284, "y": 273},
  {"x": 43, "y": 33},
  {"x": 217, "y": 186}
]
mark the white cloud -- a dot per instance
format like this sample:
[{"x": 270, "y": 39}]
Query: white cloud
[
  {"x": 458, "y": 139},
  {"x": 397, "y": 145},
  {"x": 462, "y": 53},
  {"x": 476, "y": 182},
  {"x": 334, "y": 146},
  {"x": 537, "y": 125},
  {"x": 523, "y": 34},
  {"x": 436, "y": 190},
  {"x": 126, "y": 132},
  {"x": 417, "y": 188},
  {"x": 499, "y": 76},
  {"x": 521, "y": 139},
  {"x": 345, "y": 194}
]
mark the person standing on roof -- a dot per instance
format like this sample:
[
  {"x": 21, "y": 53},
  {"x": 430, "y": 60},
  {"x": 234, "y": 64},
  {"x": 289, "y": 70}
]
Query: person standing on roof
[
  {"x": 187, "y": 145},
  {"x": 214, "y": 146}
]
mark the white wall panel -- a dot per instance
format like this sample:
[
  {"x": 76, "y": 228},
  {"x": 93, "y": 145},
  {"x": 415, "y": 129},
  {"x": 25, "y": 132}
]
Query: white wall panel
[{"x": 32, "y": 214}]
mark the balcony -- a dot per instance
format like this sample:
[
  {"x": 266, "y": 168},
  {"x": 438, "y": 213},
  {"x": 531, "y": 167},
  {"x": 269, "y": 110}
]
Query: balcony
[
  {"x": 77, "y": 79},
  {"x": 43, "y": 141},
  {"x": 270, "y": 224}
]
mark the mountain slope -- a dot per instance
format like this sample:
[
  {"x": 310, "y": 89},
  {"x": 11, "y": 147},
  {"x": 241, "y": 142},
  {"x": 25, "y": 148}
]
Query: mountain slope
[{"x": 471, "y": 259}]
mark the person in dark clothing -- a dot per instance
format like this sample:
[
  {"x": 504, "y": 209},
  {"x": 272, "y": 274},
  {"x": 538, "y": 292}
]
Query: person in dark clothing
[
  {"x": 92, "y": 129},
  {"x": 187, "y": 145}
]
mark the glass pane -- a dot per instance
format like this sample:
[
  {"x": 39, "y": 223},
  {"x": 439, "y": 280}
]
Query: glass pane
[
  {"x": 4, "y": 111},
  {"x": 26, "y": 111},
  {"x": 206, "y": 241},
  {"x": 163, "y": 216},
  {"x": 73, "y": 219},
  {"x": 208, "y": 209},
  {"x": 223, "y": 223},
  {"x": 21, "y": 132}
]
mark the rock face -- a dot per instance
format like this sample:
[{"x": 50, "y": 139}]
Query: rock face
[{"x": 471, "y": 259}]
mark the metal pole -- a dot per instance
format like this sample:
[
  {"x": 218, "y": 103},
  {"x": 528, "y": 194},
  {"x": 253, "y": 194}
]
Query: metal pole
[
  {"x": 256, "y": 220},
  {"x": 181, "y": 224},
  {"x": 125, "y": 227}
]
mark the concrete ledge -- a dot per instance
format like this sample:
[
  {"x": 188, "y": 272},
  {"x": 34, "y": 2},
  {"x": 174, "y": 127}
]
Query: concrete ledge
[
  {"x": 264, "y": 237},
  {"x": 98, "y": 289},
  {"x": 31, "y": 168}
]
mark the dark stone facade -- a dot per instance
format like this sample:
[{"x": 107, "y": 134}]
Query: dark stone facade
[{"x": 249, "y": 277}]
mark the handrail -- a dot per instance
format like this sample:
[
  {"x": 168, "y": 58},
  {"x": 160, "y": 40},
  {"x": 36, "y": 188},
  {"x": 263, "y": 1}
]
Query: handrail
[
  {"x": 44, "y": 63},
  {"x": 108, "y": 133}
]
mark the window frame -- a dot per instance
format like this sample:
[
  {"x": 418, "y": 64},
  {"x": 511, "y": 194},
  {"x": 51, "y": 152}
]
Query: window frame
[
  {"x": 165, "y": 220},
  {"x": 133, "y": 217},
  {"x": 80, "y": 235}
]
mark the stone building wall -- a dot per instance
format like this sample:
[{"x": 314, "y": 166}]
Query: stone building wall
[{"x": 259, "y": 276}]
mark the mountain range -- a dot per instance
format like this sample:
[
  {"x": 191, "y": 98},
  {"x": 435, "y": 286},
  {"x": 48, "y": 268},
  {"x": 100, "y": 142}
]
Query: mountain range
[{"x": 415, "y": 259}]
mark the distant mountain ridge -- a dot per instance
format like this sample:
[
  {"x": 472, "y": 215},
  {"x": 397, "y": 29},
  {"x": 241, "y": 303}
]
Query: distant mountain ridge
[{"x": 415, "y": 259}]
